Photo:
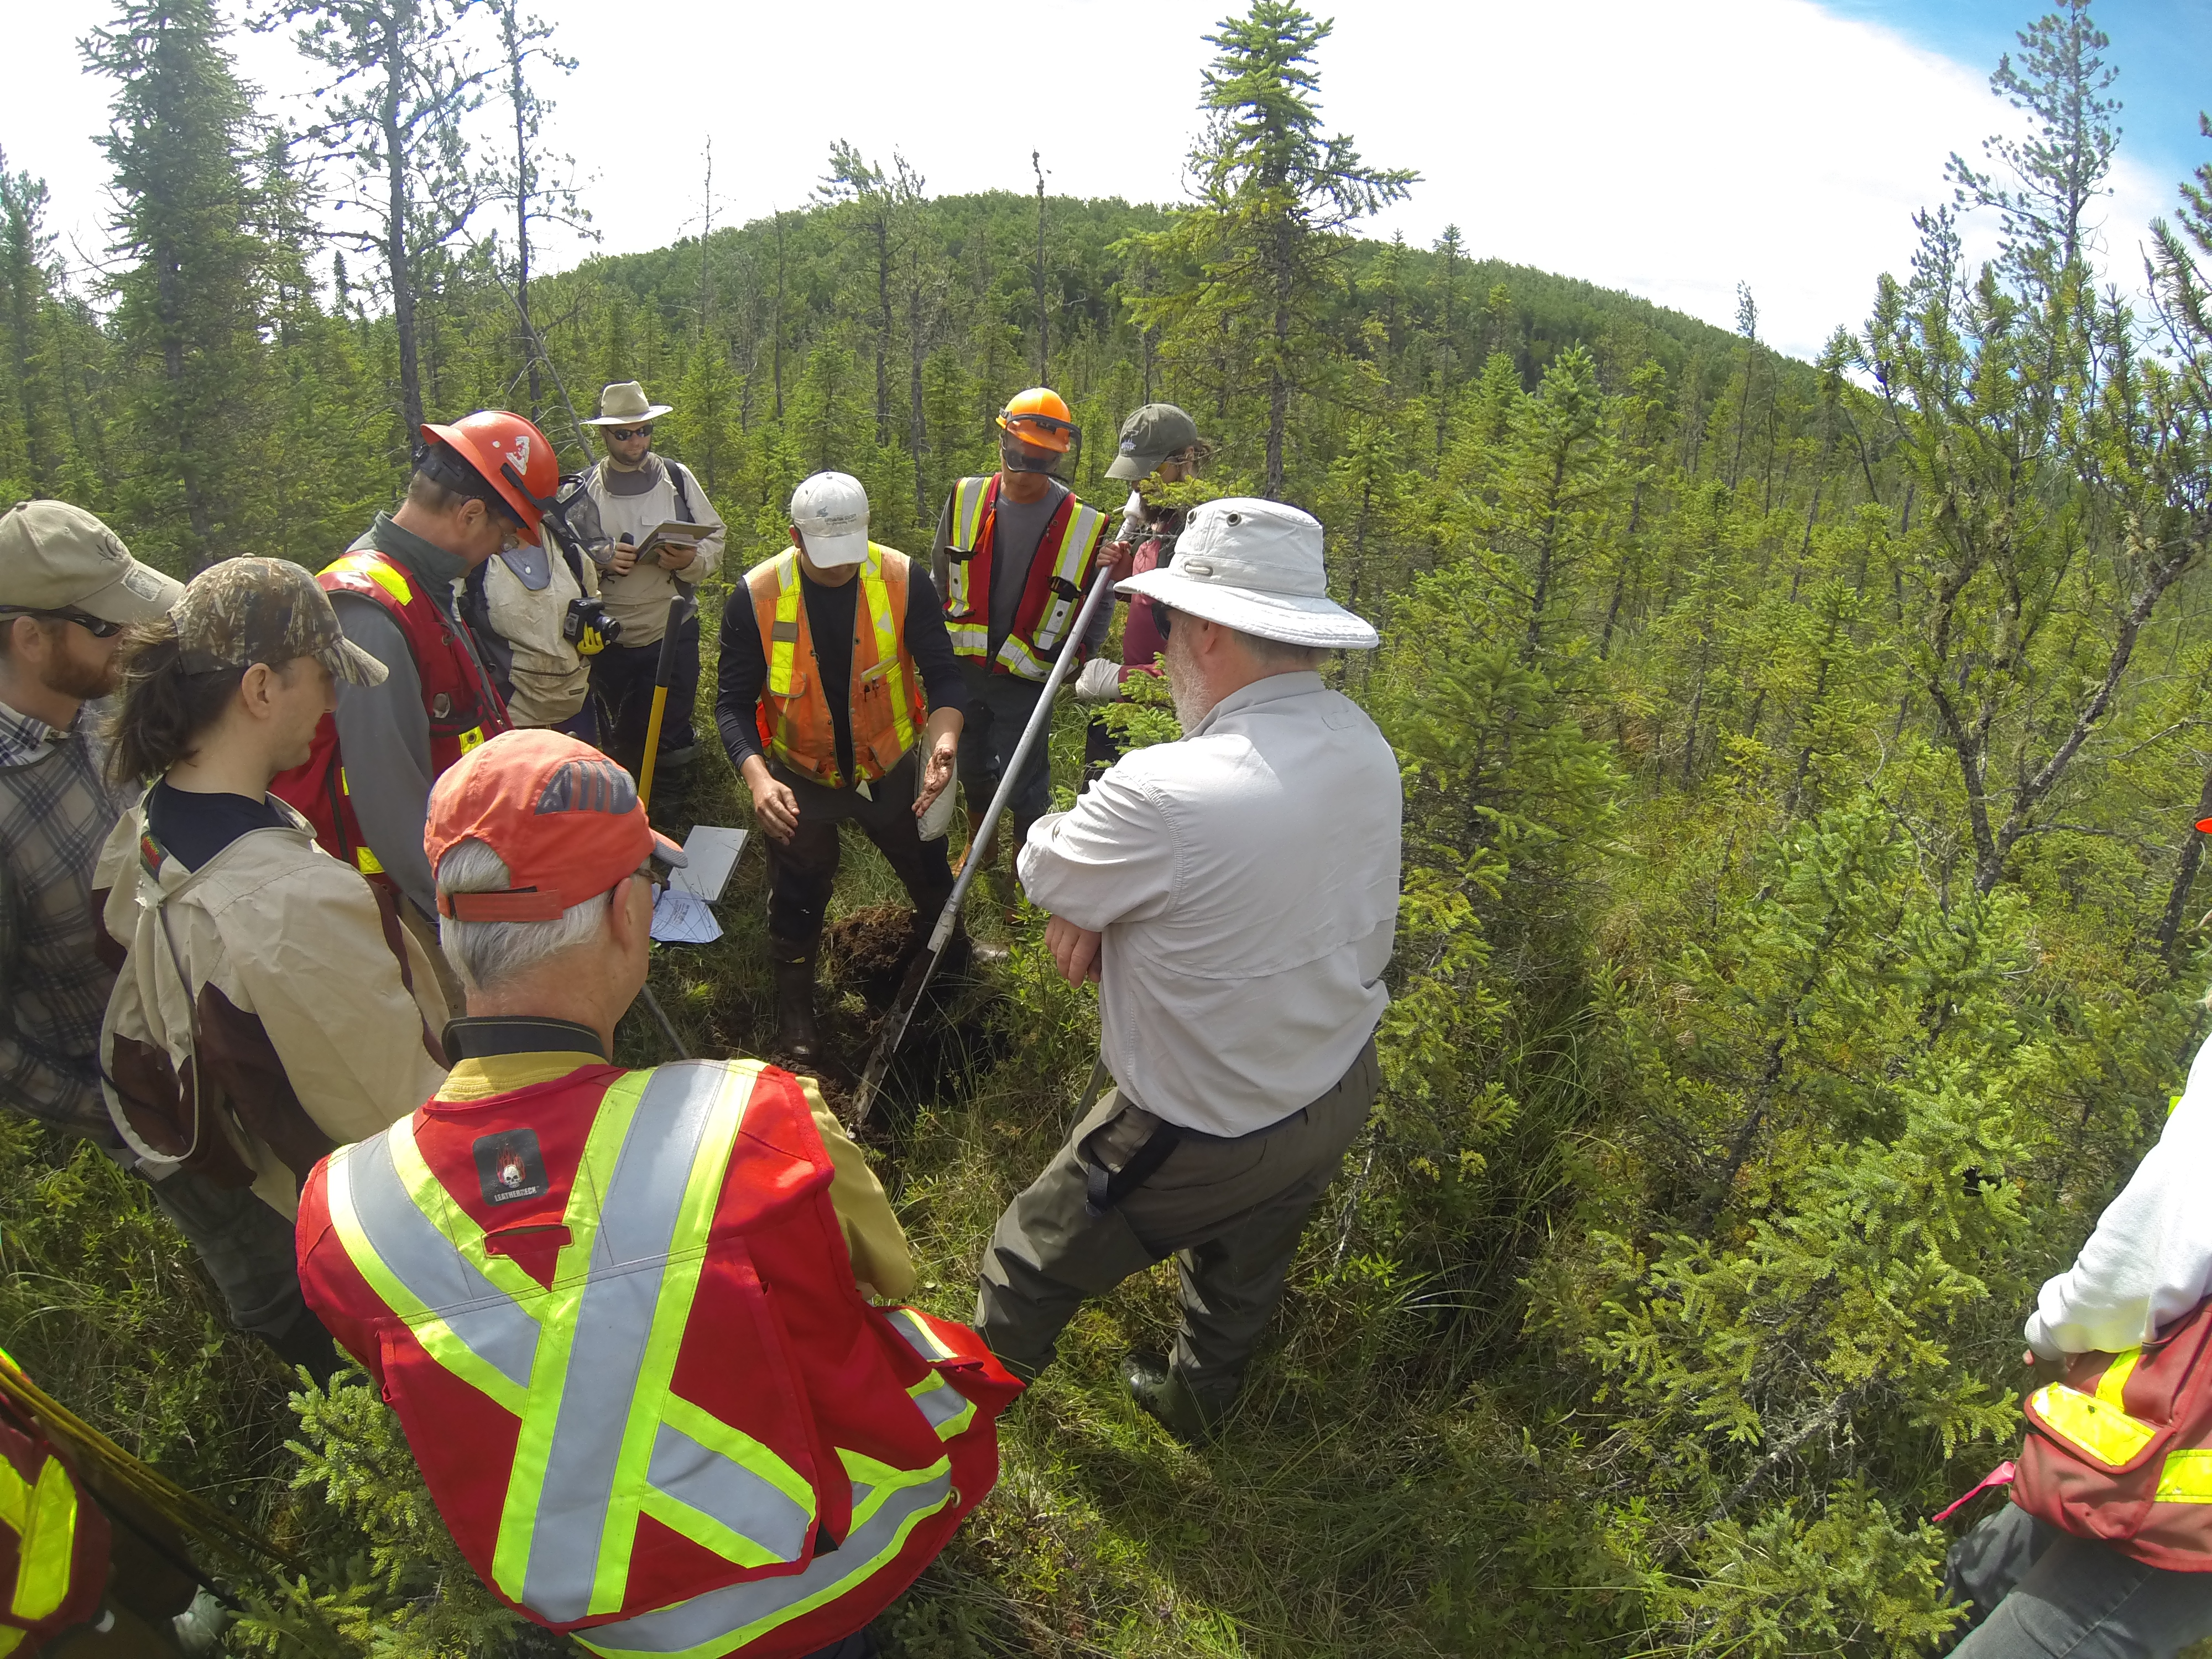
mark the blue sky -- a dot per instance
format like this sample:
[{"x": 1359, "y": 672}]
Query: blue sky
[
  {"x": 1670, "y": 149},
  {"x": 2163, "y": 49}
]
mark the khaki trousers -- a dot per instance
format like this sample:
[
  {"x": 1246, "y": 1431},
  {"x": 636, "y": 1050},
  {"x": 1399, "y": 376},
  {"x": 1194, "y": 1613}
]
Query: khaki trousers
[{"x": 1229, "y": 1211}]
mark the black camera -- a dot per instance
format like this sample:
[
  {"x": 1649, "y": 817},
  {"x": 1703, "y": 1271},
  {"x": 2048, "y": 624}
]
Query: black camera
[{"x": 589, "y": 613}]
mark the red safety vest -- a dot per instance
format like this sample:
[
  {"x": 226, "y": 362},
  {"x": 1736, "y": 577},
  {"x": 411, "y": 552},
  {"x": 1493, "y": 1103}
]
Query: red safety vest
[
  {"x": 616, "y": 1317},
  {"x": 462, "y": 707},
  {"x": 2121, "y": 1451},
  {"x": 1064, "y": 563}
]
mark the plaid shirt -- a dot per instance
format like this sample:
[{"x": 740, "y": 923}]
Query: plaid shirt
[{"x": 56, "y": 810}]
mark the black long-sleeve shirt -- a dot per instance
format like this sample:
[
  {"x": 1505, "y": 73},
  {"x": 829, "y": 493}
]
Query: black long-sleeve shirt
[{"x": 832, "y": 620}]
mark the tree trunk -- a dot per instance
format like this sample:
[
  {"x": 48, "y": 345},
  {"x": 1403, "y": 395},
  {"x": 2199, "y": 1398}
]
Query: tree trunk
[
  {"x": 883, "y": 325},
  {"x": 916, "y": 425},
  {"x": 395, "y": 236},
  {"x": 2184, "y": 877}
]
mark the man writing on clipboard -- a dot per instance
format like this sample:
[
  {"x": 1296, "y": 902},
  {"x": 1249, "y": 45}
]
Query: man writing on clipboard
[{"x": 637, "y": 492}]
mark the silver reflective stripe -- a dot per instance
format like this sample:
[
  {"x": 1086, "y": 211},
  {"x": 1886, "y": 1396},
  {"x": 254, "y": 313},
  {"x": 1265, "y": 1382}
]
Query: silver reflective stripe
[
  {"x": 742, "y": 1612},
  {"x": 941, "y": 1405},
  {"x": 909, "y": 1325},
  {"x": 729, "y": 1492},
  {"x": 637, "y": 1220},
  {"x": 483, "y": 1316}
]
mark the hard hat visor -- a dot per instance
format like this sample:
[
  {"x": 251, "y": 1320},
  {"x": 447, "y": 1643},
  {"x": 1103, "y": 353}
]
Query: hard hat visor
[{"x": 1039, "y": 431}]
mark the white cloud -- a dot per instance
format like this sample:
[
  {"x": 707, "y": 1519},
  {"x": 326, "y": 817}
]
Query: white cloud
[{"x": 1671, "y": 150}]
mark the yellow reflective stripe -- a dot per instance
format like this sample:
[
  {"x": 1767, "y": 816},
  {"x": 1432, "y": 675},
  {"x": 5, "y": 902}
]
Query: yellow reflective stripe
[
  {"x": 969, "y": 639},
  {"x": 714, "y": 1434},
  {"x": 378, "y": 570},
  {"x": 472, "y": 738},
  {"x": 671, "y": 1311},
  {"x": 953, "y": 1423},
  {"x": 557, "y": 1317},
  {"x": 1084, "y": 526},
  {"x": 2091, "y": 1424},
  {"x": 2112, "y": 1387},
  {"x": 15, "y": 1497},
  {"x": 2187, "y": 1478},
  {"x": 1016, "y": 655},
  {"x": 436, "y": 1336},
  {"x": 783, "y": 653},
  {"x": 460, "y": 1231},
  {"x": 42, "y": 1569},
  {"x": 9, "y": 1636},
  {"x": 702, "y": 1528},
  {"x": 967, "y": 512},
  {"x": 887, "y": 647}
]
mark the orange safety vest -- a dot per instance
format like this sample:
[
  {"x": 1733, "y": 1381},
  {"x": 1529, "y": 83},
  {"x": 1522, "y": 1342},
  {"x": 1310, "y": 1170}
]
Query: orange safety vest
[
  {"x": 884, "y": 701},
  {"x": 2121, "y": 1451},
  {"x": 1063, "y": 567}
]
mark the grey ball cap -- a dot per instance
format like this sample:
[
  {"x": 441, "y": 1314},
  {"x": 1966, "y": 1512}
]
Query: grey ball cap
[
  {"x": 1149, "y": 437},
  {"x": 54, "y": 556}
]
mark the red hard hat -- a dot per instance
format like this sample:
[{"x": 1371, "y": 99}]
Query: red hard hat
[{"x": 512, "y": 457}]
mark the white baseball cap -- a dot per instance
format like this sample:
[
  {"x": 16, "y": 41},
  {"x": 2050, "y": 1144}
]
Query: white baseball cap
[
  {"x": 1256, "y": 566},
  {"x": 831, "y": 511}
]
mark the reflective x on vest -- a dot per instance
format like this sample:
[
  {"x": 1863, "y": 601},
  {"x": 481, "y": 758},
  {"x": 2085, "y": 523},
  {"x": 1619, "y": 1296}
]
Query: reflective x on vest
[
  {"x": 602, "y": 1443},
  {"x": 42, "y": 1514}
]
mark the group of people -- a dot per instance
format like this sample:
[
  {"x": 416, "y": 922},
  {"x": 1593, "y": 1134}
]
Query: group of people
[
  {"x": 321, "y": 906},
  {"x": 321, "y": 898}
]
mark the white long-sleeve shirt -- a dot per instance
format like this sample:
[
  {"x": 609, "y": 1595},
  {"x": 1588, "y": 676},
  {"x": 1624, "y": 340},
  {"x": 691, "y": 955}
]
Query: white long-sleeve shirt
[
  {"x": 1245, "y": 880},
  {"x": 2149, "y": 1260}
]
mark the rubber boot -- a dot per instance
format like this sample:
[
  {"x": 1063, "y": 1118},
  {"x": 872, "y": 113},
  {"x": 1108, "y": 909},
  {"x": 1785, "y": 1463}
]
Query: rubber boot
[
  {"x": 796, "y": 1038},
  {"x": 1164, "y": 1395}
]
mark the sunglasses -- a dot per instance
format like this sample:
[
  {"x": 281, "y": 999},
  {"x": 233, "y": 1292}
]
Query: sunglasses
[
  {"x": 98, "y": 626},
  {"x": 622, "y": 435},
  {"x": 1162, "y": 616}
]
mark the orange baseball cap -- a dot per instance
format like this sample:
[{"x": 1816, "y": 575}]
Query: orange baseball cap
[{"x": 563, "y": 818}]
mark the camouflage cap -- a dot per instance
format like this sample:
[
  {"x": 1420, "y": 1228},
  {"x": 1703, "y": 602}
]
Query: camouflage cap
[{"x": 243, "y": 612}]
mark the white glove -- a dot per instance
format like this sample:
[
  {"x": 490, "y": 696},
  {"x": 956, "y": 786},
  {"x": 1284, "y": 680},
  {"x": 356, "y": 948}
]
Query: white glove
[{"x": 1099, "y": 681}]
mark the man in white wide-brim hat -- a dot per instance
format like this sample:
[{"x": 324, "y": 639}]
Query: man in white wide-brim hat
[
  {"x": 636, "y": 492},
  {"x": 1236, "y": 894}
]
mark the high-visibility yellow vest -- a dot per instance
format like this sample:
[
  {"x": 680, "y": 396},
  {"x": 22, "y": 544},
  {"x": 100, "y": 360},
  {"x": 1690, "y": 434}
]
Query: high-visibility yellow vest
[{"x": 53, "y": 1541}]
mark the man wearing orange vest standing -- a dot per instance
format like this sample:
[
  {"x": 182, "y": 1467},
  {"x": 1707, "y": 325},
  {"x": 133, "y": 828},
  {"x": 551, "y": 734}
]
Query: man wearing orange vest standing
[
  {"x": 837, "y": 687},
  {"x": 627, "y": 1318},
  {"x": 478, "y": 491},
  {"x": 1015, "y": 552}
]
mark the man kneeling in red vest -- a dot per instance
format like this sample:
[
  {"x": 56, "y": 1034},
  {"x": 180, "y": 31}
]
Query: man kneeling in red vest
[{"x": 626, "y": 1317}]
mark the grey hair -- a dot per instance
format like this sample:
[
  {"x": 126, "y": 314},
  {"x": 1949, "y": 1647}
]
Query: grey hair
[{"x": 488, "y": 954}]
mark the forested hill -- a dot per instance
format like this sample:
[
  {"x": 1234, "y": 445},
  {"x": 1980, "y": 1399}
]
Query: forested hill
[{"x": 1800, "y": 937}]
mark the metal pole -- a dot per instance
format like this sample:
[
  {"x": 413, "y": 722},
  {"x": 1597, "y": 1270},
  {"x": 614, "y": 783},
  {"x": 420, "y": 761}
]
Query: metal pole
[{"x": 917, "y": 977}]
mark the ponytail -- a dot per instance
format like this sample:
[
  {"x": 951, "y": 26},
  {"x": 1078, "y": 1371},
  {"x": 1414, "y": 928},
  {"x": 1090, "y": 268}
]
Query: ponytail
[{"x": 162, "y": 707}]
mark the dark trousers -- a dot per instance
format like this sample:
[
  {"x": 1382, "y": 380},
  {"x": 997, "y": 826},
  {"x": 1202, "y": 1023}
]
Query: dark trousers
[
  {"x": 1229, "y": 1211},
  {"x": 622, "y": 679},
  {"x": 2044, "y": 1591},
  {"x": 801, "y": 872},
  {"x": 998, "y": 708}
]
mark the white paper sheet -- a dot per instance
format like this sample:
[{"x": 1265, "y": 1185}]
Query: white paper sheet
[{"x": 684, "y": 918}]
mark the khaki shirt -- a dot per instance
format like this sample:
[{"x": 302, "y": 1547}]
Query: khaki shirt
[
  {"x": 309, "y": 998},
  {"x": 550, "y": 679},
  {"x": 639, "y": 600}
]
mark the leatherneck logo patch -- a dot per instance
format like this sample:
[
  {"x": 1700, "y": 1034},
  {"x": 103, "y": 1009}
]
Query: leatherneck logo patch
[{"x": 509, "y": 1166}]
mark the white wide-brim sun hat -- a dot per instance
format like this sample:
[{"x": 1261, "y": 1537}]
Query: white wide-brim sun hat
[{"x": 1256, "y": 566}]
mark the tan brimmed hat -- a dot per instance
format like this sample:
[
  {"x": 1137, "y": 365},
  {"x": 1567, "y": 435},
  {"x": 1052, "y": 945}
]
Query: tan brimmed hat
[
  {"x": 624, "y": 403},
  {"x": 54, "y": 556}
]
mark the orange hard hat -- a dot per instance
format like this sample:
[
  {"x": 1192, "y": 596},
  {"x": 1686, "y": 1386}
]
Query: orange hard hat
[
  {"x": 1039, "y": 417},
  {"x": 511, "y": 454}
]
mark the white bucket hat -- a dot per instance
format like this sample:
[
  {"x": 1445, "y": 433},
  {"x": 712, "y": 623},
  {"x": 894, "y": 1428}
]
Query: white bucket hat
[
  {"x": 624, "y": 403},
  {"x": 1256, "y": 566},
  {"x": 830, "y": 510}
]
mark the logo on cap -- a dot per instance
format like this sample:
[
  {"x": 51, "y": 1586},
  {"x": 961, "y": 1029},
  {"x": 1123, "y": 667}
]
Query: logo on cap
[{"x": 582, "y": 785}]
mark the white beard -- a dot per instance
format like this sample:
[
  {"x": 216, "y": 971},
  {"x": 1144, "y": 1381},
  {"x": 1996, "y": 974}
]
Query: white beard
[{"x": 1191, "y": 703}]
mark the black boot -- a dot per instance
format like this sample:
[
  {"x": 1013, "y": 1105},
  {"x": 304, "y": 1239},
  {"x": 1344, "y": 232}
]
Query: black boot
[
  {"x": 796, "y": 1038},
  {"x": 1153, "y": 1384}
]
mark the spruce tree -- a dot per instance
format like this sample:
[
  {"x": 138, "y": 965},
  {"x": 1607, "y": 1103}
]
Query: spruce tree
[{"x": 191, "y": 310}]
